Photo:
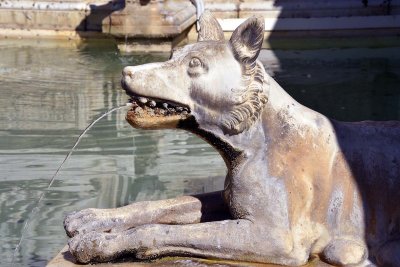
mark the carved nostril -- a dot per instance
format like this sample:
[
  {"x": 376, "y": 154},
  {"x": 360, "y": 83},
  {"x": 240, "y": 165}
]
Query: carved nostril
[{"x": 127, "y": 72}]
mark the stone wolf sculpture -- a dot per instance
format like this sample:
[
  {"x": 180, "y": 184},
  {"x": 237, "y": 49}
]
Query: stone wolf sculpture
[{"x": 298, "y": 183}]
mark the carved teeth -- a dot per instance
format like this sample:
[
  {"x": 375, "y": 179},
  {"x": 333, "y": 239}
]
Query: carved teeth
[
  {"x": 152, "y": 103},
  {"x": 153, "y": 108},
  {"x": 142, "y": 100}
]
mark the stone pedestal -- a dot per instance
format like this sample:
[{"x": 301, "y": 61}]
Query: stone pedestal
[{"x": 65, "y": 259}]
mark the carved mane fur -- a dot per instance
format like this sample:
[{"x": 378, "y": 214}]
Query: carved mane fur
[{"x": 251, "y": 98}]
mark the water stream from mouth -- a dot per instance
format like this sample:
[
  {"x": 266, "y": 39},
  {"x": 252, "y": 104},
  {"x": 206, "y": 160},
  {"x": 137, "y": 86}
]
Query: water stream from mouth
[{"x": 36, "y": 208}]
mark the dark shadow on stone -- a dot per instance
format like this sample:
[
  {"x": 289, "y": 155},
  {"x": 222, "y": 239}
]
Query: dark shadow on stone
[
  {"x": 94, "y": 20},
  {"x": 144, "y": 2},
  {"x": 67, "y": 256},
  {"x": 211, "y": 209}
]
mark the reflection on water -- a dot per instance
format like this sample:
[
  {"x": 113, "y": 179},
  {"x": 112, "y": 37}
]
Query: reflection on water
[{"x": 49, "y": 92}]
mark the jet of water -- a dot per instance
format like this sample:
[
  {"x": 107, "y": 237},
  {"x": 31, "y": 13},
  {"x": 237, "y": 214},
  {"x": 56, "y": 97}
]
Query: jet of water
[{"x": 36, "y": 208}]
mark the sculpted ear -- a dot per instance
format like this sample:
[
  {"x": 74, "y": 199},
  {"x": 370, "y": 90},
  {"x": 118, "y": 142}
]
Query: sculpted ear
[
  {"x": 210, "y": 30},
  {"x": 247, "y": 39}
]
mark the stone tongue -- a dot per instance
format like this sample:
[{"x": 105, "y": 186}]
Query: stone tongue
[{"x": 142, "y": 118}]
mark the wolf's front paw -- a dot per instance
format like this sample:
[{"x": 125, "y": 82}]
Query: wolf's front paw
[
  {"x": 94, "y": 247},
  {"x": 89, "y": 220}
]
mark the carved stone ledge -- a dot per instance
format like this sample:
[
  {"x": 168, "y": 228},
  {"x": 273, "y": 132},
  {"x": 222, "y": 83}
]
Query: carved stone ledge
[
  {"x": 150, "y": 25},
  {"x": 65, "y": 259}
]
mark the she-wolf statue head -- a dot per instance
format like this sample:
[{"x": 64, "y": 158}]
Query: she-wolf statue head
[{"x": 221, "y": 84}]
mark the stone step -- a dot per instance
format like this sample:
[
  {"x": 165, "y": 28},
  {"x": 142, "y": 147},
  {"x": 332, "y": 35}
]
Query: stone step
[
  {"x": 65, "y": 259},
  {"x": 319, "y": 24},
  {"x": 301, "y": 9}
]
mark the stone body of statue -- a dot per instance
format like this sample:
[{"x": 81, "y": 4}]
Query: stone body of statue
[{"x": 298, "y": 183}]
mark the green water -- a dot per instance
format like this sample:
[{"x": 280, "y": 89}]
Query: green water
[{"x": 49, "y": 92}]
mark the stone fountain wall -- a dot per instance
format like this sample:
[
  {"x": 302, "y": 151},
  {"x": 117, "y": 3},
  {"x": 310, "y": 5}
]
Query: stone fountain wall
[
  {"x": 159, "y": 25},
  {"x": 142, "y": 24}
]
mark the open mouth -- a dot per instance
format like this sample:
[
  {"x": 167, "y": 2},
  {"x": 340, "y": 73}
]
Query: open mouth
[
  {"x": 155, "y": 107},
  {"x": 151, "y": 113}
]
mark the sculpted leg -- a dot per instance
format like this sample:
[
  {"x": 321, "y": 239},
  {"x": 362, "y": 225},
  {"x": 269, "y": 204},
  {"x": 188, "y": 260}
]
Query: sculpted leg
[
  {"x": 230, "y": 239},
  {"x": 345, "y": 252},
  {"x": 180, "y": 210}
]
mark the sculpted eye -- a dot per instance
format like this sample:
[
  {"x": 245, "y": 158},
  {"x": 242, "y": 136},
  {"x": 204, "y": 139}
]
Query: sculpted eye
[
  {"x": 195, "y": 62},
  {"x": 196, "y": 67}
]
